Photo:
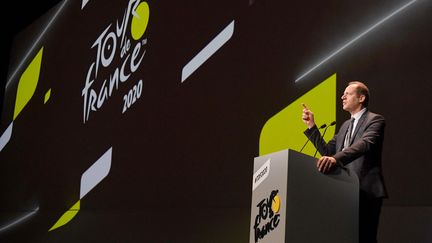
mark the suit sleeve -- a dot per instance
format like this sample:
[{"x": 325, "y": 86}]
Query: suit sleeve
[
  {"x": 325, "y": 149},
  {"x": 370, "y": 141}
]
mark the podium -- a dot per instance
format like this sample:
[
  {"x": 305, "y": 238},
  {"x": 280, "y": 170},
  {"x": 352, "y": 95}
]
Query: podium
[{"x": 293, "y": 202}]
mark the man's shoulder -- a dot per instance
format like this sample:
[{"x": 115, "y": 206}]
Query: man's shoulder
[{"x": 372, "y": 117}]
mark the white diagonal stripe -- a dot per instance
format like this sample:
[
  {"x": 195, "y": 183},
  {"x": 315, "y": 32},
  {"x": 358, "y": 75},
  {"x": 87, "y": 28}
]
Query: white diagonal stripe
[
  {"x": 5, "y": 137},
  {"x": 208, "y": 51},
  {"x": 83, "y": 3},
  {"x": 96, "y": 173}
]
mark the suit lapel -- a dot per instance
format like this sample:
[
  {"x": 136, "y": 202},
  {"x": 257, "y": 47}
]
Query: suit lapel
[{"x": 359, "y": 124}]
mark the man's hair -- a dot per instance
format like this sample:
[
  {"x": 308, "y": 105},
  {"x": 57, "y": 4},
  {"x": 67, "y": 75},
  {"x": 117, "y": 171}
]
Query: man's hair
[{"x": 362, "y": 89}]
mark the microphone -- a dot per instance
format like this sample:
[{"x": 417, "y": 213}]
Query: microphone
[
  {"x": 307, "y": 141},
  {"x": 325, "y": 130}
]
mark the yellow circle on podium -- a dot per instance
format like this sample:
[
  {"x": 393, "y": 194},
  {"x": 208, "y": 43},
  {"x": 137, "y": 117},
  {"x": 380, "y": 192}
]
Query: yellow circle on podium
[{"x": 276, "y": 204}]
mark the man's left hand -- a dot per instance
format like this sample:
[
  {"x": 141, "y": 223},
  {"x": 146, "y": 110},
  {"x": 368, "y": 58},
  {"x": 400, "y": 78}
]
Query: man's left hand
[{"x": 325, "y": 163}]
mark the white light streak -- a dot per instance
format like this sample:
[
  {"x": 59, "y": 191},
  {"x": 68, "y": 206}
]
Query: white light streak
[
  {"x": 19, "y": 220},
  {"x": 355, "y": 39},
  {"x": 36, "y": 43}
]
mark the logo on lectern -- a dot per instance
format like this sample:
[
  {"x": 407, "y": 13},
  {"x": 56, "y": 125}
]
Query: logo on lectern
[
  {"x": 268, "y": 217},
  {"x": 261, "y": 174}
]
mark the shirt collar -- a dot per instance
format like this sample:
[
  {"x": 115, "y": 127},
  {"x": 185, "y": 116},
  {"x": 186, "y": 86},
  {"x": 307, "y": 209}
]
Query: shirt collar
[{"x": 357, "y": 115}]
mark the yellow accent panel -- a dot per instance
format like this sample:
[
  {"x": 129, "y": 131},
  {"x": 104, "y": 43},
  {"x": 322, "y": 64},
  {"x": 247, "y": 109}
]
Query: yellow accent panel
[
  {"x": 139, "y": 23},
  {"x": 27, "y": 83},
  {"x": 47, "y": 96},
  {"x": 67, "y": 216},
  {"x": 285, "y": 129}
]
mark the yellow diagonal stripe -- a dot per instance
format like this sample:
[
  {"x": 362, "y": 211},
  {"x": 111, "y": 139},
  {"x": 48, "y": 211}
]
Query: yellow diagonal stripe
[
  {"x": 27, "y": 83},
  {"x": 67, "y": 216},
  {"x": 47, "y": 96}
]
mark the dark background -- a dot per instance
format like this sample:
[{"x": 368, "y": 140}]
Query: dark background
[{"x": 206, "y": 130}]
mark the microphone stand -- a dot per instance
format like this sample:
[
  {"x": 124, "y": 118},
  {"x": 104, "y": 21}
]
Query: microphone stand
[
  {"x": 307, "y": 141},
  {"x": 325, "y": 130}
]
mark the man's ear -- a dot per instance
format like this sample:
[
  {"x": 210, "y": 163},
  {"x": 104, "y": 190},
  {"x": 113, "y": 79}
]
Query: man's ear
[{"x": 362, "y": 98}]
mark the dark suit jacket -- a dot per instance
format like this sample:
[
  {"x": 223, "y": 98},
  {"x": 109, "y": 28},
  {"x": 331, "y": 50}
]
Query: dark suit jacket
[{"x": 363, "y": 156}]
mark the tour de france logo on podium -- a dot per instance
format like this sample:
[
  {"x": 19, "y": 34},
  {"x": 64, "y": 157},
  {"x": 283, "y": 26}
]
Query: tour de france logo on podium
[{"x": 268, "y": 216}]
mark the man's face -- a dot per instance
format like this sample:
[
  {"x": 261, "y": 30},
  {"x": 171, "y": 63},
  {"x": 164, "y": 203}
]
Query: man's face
[{"x": 351, "y": 101}]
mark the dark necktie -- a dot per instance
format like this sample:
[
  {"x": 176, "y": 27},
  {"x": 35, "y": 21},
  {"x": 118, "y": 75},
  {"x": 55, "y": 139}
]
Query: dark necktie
[{"x": 348, "y": 135}]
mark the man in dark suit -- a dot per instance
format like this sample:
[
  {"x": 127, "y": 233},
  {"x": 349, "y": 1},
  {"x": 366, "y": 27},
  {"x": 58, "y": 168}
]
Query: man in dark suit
[{"x": 357, "y": 147}]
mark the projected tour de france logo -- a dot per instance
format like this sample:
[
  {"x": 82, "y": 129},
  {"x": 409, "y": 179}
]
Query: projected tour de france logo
[
  {"x": 122, "y": 40},
  {"x": 268, "y": 217}
]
